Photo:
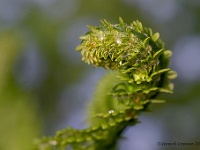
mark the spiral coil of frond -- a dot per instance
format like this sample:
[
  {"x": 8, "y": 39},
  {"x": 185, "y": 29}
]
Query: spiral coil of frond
[{"x": 141, "y": 62}]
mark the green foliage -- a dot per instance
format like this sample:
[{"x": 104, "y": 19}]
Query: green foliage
[{"x": 139, "y": 64}]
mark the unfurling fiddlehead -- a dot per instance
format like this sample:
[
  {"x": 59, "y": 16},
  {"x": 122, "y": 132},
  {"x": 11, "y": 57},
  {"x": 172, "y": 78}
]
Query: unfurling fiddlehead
[{"x": 138, "y": 64}]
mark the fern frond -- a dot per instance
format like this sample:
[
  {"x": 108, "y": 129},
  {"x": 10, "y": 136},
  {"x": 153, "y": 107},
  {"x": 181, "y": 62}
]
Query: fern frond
[{"x": 139, "y": 64}]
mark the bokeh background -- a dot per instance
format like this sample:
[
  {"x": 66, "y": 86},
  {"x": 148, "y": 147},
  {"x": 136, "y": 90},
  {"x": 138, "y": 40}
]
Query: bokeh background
[{"x": 44, "y": 85}]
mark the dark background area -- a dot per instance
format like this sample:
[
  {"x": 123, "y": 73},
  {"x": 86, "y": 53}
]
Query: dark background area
[{"x": 44, "y": 85}]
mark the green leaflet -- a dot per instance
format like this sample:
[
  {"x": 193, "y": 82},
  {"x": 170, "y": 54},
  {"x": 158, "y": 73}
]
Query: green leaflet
[{"x": 138, "y": 71}]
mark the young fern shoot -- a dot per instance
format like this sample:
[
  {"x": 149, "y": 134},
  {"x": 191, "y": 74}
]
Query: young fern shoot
[{"x": 138, "y": 64}]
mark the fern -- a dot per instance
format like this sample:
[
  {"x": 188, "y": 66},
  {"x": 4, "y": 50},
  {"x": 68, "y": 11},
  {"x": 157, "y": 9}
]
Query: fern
[{"x": 138, "y": 64}]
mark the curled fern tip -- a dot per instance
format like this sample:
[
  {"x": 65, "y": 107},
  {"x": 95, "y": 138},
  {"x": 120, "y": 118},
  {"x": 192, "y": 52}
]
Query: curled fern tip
[{"x": 138, "y": 64}]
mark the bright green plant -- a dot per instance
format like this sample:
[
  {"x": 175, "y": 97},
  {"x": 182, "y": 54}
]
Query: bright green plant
[{"x": 138, "y": 64}]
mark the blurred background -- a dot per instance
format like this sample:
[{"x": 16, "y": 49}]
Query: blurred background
[{"x": 44, "y": 85}]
